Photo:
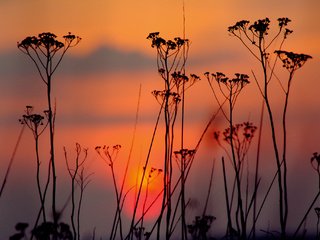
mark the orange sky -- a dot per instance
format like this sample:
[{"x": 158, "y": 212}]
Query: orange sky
[
  {"x": 126, "y": 23},
  {"x": 98, "y": 82}
]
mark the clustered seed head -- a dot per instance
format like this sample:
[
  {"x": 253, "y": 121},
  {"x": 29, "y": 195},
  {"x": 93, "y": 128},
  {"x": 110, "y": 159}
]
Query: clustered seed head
[
  {"x": 220, "y": 77},
  {"x": 179, "y": 78},
  {"x": 216, "y": 135},
  {"x": 104, "y": 151},
  {"x": 247, "y": 128},
  {"x": 28, "y": 42},
  {"x": 292, "y": 61},
  {"x": 159, "y": 42},
  {"x": 48, "y": 40},
  {"x": 184, "y": 157},
  {"x": 69, "y": 38},
  {"x": 33, "y": 121},
  {"x": 260, "y": 27},
  {"x": 283, "y": 21},
  {"x": 161, "y": 95},
  {"x": 287, "y": 32},
  {"x": 153, "y": 171},
  {"x": 117, "y": 147},
  {"x": 240, "y": 25},
  {"x": 185, "y": 153},
  {"x": 36, "y": 119},
  {"x": 240, "y": 79}
]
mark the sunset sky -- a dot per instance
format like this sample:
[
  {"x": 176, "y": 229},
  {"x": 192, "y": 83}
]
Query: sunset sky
[{"x": 97, "y": 87}]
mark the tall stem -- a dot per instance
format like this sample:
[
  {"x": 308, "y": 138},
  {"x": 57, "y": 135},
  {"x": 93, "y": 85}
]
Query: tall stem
[
  {"x": 274, "y": 140},
  {"x": 229, "y": 228},
  {"x": 284, "y": 157},
  {"x": 237, "y": 170},
  {"x": 38, "y": 177},
  {"x": 257, "y": 172},
  {"x": 52, "y": 159}
]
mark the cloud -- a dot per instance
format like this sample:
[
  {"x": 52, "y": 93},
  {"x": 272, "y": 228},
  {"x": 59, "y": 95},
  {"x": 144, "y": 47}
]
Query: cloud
[{"x": 104, "y": 59}]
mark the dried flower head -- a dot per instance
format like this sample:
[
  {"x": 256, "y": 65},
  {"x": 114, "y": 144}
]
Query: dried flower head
[
  {"x": 240, "y": 25},
  {"x": 158, "y": 42},
  {"x": 173, "y": 97},
  {"x": 71, "y": 39},
  {"x": 240, "y": 80},
  {"x": 184, "y": 157},
  {"x": 107, "y": 155},
  {"x": 260, "y": 27},
  {"x": 33, "y": 121},
  {"x": 292, "y": 61},
  {"x": 283, "y": 22}
]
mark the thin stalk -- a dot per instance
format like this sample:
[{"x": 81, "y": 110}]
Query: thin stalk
[
  {"x": 229, "y": 228},
  {"x": 130, "y": 235},
  {"x": 209, "y": 190},
  {"x": 274, "y": 141},
  {"x": 15, "y": 149},
  {"x": 284, "y": 157},
  {"x": 79, "y": 211},
  {"x": 257, "y": 170},
  {"x": 129, "y": 157},
  {"x": 265, "y": 198},
  {"x": 306, "y": 215},
  {"x": 42, "y": 197},
  {"x": 144, "y": 207},
  {"x": 44, "y": 194},
  {"x": 113, "y": 232},
  {"x": 237, "y": 169},
  {"x": 52, "y": 158},
  {"x": 182, "y": 164}
]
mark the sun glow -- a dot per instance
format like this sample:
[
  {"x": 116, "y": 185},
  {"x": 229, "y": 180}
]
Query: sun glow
[{"x": 149, "y": 203}]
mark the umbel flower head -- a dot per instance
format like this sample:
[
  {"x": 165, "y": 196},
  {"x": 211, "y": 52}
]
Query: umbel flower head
[
  {"x": 292, "y": 61},
  {"x": 159, "y": 42},
  {"x": 240, "y": 79},
  {"x": 260, "y": 27},
  {"x": 34, "y": 121},
  {"x": 48, "y": 41},
  {"x": 43, "y": 51}
]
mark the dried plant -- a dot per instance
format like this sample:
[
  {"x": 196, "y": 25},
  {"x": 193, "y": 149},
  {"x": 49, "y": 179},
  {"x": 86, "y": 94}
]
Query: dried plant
[
  {"x": 37, "y": 124},
  {"x": 44, "y": 51},
  {"x": 78, "y": 178},
  {"x": 230, "y": 88},
  {"x": 255, "y": 37}
]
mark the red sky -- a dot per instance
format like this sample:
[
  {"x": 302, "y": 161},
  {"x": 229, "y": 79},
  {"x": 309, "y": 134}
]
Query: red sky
[{"x": 97, "y": 86}]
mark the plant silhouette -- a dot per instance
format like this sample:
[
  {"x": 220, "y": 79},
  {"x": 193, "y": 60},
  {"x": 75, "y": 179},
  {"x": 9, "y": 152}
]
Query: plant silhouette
[
  {"x": 174, "y": 220},
  {"x": 255, "y": 37},
  {"x": 46, "y": 52}
]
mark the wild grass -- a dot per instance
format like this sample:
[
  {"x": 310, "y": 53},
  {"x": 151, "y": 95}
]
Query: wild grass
[{"x": 241, "y": 191}]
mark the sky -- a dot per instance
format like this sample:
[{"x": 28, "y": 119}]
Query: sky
[{"x": 97, "y": 90}]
